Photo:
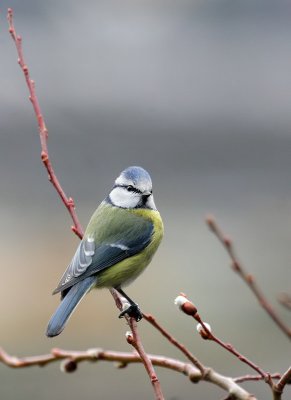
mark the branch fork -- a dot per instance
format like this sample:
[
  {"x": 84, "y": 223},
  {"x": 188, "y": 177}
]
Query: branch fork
[{"x": 194, "y": 369}]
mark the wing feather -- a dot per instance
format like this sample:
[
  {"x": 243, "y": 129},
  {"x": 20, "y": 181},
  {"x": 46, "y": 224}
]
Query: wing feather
[{"x": 91, "y": 257}]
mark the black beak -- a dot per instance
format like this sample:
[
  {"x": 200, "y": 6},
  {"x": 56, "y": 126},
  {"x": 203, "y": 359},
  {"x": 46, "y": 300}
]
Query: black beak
[{"x": 144, "y": 198}]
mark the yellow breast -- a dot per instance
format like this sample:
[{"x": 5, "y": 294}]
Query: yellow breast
[{"x": 124, "y": 272}]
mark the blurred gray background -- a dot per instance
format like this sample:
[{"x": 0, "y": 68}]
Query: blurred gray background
[{"x": 198, "y": 93}]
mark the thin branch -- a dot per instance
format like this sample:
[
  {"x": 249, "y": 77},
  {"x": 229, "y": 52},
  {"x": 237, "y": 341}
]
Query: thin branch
[
  {"x": 189, "y": 309},
  {"x": 248, "y": 278},
  {"x": 230, "y": 348},
  {"x": 68, "y": 202},
  {"x": 97, "y": 354},
  {"x": 17, "y": 362},
  {"x": 247, "y": 378},
  {"x": 43, "y": 132},
  {"x": 136, "y": 342},
  {"x": 71, "y": 360},
  {"x": 175, "y": 342}
]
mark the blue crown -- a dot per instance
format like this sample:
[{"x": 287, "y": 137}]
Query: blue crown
[{"x": 136, "y": 174}]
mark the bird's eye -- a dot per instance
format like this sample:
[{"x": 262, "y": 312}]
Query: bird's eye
[{"x": 130, "y": 188}]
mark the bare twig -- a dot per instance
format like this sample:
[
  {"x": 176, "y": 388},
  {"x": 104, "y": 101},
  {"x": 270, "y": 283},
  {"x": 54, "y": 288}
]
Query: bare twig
[
  {"x": 189, "y": 309},
  {"x": 248, "y": 278},
  {"x": 96, "y": 354},
  {"x": 43, "y": 132},
  {"x": 135, "y": 341},
  {"x": 195, "y": 371},
  {"x": 246, "y": 378},
  {"x": 176, "y": 343},
  {"x": 229, "y": 347},
  {"x": 71, "y": 360},
  {"x": 68, "y": 202}
]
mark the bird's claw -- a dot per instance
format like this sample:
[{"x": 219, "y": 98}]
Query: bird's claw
[{"x": 132, "y": 311}]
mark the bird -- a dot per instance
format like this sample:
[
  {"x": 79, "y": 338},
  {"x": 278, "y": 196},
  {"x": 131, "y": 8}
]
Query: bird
[{"x": 119, "y": 242}]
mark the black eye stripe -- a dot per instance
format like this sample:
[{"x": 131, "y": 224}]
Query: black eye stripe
[{"x": 130, "y": 188}]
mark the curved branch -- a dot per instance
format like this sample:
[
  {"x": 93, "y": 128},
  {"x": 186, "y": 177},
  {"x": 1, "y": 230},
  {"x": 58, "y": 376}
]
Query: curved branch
[{"x": 71, "y": 359}]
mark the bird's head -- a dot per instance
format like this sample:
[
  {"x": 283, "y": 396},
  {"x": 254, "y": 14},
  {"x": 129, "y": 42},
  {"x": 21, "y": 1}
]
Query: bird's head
[{"x": 133, "y": 189}]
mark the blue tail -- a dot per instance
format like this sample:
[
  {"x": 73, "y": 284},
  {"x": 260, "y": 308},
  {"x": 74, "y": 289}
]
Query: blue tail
[{"x": 68, "y": 305}]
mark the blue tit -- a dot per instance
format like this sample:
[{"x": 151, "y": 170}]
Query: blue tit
[{"x": 119, "y": 242}]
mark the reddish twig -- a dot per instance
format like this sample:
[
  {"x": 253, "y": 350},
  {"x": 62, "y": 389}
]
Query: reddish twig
[
  {"x": 71, "y": 359},
  {"x": 175, "y": 342},
  {"x": 43, "y": 132},
  {"x": 248, "y": 278},
  {"x": 189, "y": 309},
  {"x": 135, "y": 341},
  {"x": 229, "y": 347},
  {"x": 68, "y": 202}
]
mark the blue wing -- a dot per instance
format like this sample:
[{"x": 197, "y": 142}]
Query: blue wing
[{"x": 91, "y": 258}]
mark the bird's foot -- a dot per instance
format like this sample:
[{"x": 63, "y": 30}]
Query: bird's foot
[{"x": 132, "y": 311}]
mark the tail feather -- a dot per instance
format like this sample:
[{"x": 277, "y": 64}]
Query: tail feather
[{"x": 67, "y": 306}]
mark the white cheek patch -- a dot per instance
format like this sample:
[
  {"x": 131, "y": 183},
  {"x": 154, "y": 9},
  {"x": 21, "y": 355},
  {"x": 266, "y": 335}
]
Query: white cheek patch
[{"x": 120, "y": 197}]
